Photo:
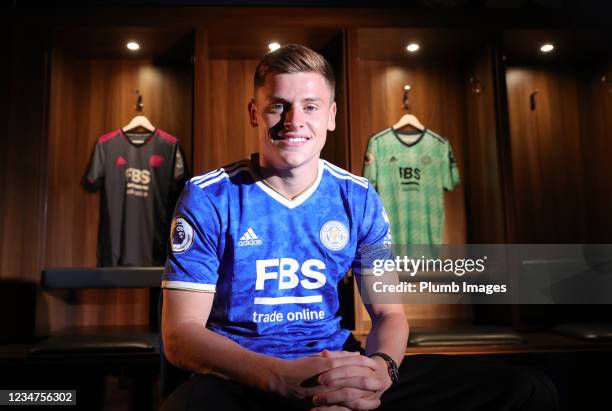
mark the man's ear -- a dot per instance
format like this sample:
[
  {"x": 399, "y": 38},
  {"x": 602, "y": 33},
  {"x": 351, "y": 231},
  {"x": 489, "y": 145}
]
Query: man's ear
[
  {"x": 331, "y": 121},
  {"x": 253, "y": 113}
]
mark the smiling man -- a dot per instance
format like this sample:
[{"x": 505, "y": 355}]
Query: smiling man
[{"x": 257, "y": 250}]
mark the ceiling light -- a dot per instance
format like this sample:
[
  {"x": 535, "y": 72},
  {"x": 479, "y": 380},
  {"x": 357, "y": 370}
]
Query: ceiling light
[
  {"x": 274, "y": 46},
  {"x": 412, "y": 47},
  {"x": 547, "y": 48},
  {"x": 132, "y": 45}
]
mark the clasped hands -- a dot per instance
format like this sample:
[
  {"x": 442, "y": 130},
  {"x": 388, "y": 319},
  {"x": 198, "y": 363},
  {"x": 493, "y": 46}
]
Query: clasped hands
[{"x": 337, "y": 381}]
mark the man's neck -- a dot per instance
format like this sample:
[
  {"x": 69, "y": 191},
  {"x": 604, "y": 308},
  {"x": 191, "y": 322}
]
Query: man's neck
[{"x": 289, "y": 183}]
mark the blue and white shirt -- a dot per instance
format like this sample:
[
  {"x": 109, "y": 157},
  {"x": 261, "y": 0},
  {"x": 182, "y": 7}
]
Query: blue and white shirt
[{"x": 273, "y": 263}]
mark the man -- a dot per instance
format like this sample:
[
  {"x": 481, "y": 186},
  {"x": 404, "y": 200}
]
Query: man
[{"x": 250, "y": 287}]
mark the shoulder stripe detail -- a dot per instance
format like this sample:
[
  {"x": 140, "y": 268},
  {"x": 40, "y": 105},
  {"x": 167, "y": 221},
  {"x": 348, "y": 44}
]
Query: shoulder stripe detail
[
  {"x": 201, "y": 178},
  {"x": 108, "y": 136},
  {"x": 380, "y": 133},
  {"x": 344, "y": 172},
  {"x": 166, "y": 136},
  {"x": 223, "y": 175},
  {"x": 346, "y": 177},
  {"x": 436, "y": 136},
  {"x": 183, "y": 285}
]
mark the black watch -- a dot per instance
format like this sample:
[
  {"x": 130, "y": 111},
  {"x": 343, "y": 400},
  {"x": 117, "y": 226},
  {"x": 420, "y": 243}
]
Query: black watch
[{"x": 391, "y": 365}]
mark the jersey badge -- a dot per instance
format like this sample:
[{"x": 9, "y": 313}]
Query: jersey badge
[
  {"x": 120, "y": 161},
  {"x": 334, "y": 235},
  {"x": 182, "y": 235}
]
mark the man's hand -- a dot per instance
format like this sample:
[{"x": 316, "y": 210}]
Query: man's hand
[
  {"x": 353, "y": 385},
  {"x": 299, "y": 378}
]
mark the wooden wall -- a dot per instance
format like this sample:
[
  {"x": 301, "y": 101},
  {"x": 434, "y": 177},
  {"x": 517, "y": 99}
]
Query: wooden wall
[
  {"x": 228, "y": 73},
  {"x": 596, "y": 134},
  {"x": 559, "y": 153},
  {"x": 546, "y": 155},
  {"x": 439, "y": 98},
  {"x": 22, "y": 178},
  {"x": 23, "y": 158},
  {"x": 230, "y": 135},
  {"x": 482, "y": 177},
  {"x": 90, "y": 97}
]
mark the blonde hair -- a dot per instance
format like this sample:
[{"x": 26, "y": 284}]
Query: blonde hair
[{"x": 294, "y": 58}]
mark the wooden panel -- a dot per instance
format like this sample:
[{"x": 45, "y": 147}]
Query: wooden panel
[
  {"x": 390, "y": 43},
  {"x": 89, "y": 98},
  {"x": 234, "y": 18},
  {"x": 230, "y": 136},
  {"x": 436, "y": 98},
  {"x": 546, "y": 155},
  {"x": 229, "y": 75},
  {"x": 22, "y": 158},
  {"x": 596, "y": 143},
  {"x": 201, "y": 114},
  {"x": 252, "y": 42},
  {"x": 418, "y": 315},
  {"x": 482, "y": 179},
  {"x": 336, "y": 148}
]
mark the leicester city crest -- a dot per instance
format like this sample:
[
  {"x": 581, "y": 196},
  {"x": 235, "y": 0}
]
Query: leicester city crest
[{"x": 334, "y": 235}]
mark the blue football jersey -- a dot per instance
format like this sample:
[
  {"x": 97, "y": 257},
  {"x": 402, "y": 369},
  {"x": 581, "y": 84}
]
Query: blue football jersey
[{"x": 274, "y": 264}]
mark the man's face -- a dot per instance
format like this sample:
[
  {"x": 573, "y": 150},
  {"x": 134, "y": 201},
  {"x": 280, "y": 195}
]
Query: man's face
[{"x": 292, "y": 113}]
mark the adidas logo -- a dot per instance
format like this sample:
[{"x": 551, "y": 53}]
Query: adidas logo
[{"x": 249, "y": 238}]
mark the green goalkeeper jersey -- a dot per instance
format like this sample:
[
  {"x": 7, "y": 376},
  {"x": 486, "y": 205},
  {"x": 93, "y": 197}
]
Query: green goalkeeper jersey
[{"x": 410, "y": 173}]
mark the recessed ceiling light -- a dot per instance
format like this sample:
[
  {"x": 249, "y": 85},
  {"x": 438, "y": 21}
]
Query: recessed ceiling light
[
  {"x": 547, "y": 48},
  {"x": 274, "y": 46},
  {"x": 132, "y": 45},
  {"x": 412, "y": 47}
]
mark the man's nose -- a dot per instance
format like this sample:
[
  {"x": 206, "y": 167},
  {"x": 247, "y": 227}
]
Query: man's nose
[{"x": 293, "y": 118}]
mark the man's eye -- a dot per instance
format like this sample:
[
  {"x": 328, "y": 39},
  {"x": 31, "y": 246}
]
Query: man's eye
[
  {"x": 276, "y": 107},
  {"x": 311, "y": 107}
]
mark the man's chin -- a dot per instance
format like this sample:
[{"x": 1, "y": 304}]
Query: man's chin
[{"x": 291, "y": 162}]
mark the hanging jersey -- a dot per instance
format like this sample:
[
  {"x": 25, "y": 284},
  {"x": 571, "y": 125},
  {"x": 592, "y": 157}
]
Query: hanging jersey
[
  {"x": 140, "y": 175},
  {"x": 411, "y": 173},
  {"x": 274, "y": 264}
]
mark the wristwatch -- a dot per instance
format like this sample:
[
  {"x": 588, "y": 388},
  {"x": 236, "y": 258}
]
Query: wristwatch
[{"x": 391, "y": 365}]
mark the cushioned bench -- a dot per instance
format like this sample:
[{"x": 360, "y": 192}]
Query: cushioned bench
[
  {"x": 463, "y": 335},
  {"x": 595, "y": 332}
]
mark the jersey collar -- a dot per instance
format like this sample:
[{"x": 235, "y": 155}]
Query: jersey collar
[{"x": 287, "y": 202}]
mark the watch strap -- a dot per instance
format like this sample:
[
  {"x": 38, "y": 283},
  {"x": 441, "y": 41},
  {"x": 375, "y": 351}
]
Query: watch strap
[{"x": 391, "y": 365}]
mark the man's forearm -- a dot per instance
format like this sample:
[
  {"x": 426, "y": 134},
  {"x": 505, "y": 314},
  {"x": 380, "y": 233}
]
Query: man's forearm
[
  {"x": 389, "y": 334},
  {"x": 196, "y": 348}
]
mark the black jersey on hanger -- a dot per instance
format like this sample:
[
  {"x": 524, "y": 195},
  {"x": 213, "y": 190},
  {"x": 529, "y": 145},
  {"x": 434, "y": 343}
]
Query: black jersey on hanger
[{"x": 140, "y": 176}]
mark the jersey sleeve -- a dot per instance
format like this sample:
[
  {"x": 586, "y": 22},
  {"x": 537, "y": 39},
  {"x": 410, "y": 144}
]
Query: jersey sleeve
[
  {"x": 451, "y": 171},
  {"x": 374, "y": 235},
  {"x": 193, "y": 255},
  {"x": 179, "y": 173},
  {"x": 94, "y": 175},
  {"x": 369, "y": 162}
]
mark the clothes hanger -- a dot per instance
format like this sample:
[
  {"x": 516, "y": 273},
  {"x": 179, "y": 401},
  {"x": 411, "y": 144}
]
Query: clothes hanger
[
  {"x": 408, "y": 119},
  {"x": 139, "y": 121}
]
